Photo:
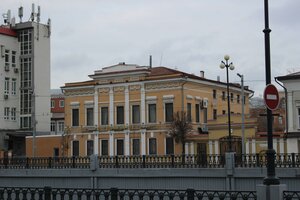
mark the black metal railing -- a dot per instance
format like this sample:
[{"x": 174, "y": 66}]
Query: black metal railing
[
  {"x": 289, "y": 195},
  {"x": 150, "y": 161},
  {"x": 49, "y": 193}
]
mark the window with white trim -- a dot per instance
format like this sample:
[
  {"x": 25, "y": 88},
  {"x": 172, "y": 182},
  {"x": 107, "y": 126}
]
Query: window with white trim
[
  {"x": 298, "y": 118},
  {"x": 75, "y": 117},
  {"x": 6, "y": 85},
  {"x": 120, "y": 114},
  {"x": 52, "y": 103},
  {"x": 61, "y": 103},
  {"x": 90, "y": 116},
  {"x": 6, "y": 113},
  {"x": 169, "y": 112},
  {"x": 135, "y": 146},
  {"x": 152, "y": 146},
  {"x": 13, "y": 113},
  {"x": 104, "y": 115},
  {"x": 52, "y": 126},
  {"x": 89, "y": 147},
  {"x": 13, "y": 59},
  {"x": 61, "y": 126},
  {"x": 189, "y": 112},
  {"x": 135, "y": 114},
  {"x": 13, "y": 86},
  {"x": 6, "y": 58},
  {"x": 152, "y": 113}
]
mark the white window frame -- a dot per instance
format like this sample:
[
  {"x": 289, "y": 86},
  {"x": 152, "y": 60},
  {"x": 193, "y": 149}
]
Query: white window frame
[
  {"x": 298, "y": 109},
  {"x": 60, "y": 126},
  {"x": 107, "y": 115},
  {"x": 6, "y": 85},
  {"x": 132, "y": 113},
  {"x": 86, "y": 120},
  {"x": 13, "y": 114},
  {"x": 61, "y": 103},
  {"x": 13, "y": 86},
  {"x": 6, "y": 113},
  {"x": 52, "y": 103}
]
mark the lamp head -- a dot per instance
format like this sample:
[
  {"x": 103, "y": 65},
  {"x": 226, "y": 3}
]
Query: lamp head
[
  {"x": 226, "y": 57},
  {"x": 222, "y": 65},
  {"x": 231, "y": 66}
]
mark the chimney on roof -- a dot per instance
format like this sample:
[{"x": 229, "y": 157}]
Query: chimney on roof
[
  {"x": 121, "y": 63},
  {"x": 218, "y": 78},
  {"x": 202, "y": 74}
]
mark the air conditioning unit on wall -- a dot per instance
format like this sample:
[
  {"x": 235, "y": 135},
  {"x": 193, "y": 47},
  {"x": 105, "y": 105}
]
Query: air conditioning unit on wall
[{"x": 5, "y": 96}]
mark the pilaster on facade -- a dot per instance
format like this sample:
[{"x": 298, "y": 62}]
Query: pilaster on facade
[
  {"x": 127, "y": 105},
  {"x": 96, "y": 109},
  {"x": 143, "y": 142},
  {"x": 143, "y": 104},
  {"x": 111, "y": 106},
  {"x": 111, "y": 143}
]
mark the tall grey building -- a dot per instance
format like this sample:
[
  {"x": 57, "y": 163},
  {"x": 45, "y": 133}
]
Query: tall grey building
[{"x": 25, "y": 80}]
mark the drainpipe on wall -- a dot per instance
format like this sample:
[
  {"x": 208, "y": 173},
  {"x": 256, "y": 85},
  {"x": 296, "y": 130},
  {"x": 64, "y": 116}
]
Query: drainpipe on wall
[{"x": 286, "y": 107}]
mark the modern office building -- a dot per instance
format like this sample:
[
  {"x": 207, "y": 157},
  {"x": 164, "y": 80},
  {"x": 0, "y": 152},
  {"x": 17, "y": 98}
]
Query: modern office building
[{"x": 25, "y": 80}]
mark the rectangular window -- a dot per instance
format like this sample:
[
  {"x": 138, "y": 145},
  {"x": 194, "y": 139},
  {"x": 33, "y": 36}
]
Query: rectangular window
[
  {"x": 6, "y": 113},
  {"x": 6, "y": 85},
  {"x": 25, "y": 38},
  {"x": 61, "y": 103},
  {"x": 136, "y": 114},
  {"x": 7, "y": 59},
  {"x": 13, "y": 86},
  {"x": 135, "y": 146},
  {"x": 75, "y": 148},
  {"x": 25, "y": 122},
  {"x": 169, "y": 146},
  {"x": 197, "y": 112},
  {"x": 104, "y": 115},
  {"x": 214, "y": 94},
  {"x": 90, "y": 117},
  {"x": 205, "y": 115},
  {"x": 120, "y": 114},
  {"x": 89, "y": 147},
  {"x": 75, "y": 117},
  {"x": 52, "y": 103},
  {"x": 61, "y": 126},
  {"x": 13, "y": 59},
  {"x": 223, "y": 96},
  {"x": 223, "y": 112},
  {"x": 214, "y": 113},
  {"x": 120, "y": 147},
  {"x": 52, "y": 126},
  {"x": 244, "y": 100},
  {"x": 189, "y": 112},
  {"x": 238, "y": 98},
  {"x": 298, "y": 118},
  {"x": 152, "y": 113},
  {"x": 152, "y": 146},
  {"x": 231, "y": 97},
  {"x": 13, "y": 114},
  {"x": 104, "y": 147},
  {"x": 169, "y": 112}
]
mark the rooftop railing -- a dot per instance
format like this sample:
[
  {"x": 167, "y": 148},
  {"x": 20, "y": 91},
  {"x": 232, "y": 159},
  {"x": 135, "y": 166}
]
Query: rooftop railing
[{"x": 150, "y": 161}]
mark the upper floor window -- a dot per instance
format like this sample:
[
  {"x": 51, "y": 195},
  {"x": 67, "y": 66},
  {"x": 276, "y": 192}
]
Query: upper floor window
[
  {"x": 231, "y": 97},
  {"x": 169, "y": 145},
  {"x": 75, "y": 117},
  {"x": 120, "y": 114},
  {"x": 136, "y": 114},
  {"x": 238, "y": 98},
  {"x": 13, "y": 114},
  {"x": 214, "y": 94},
  {"x": 52, "y": 103},
  {"x": 197, "y": 112},
  {"x": 169, "y": 112},
  {"x": 298, "y": 118},
  {"x": 13, "y": 59},
  {"x": 104, "y": 115},
  {"x": 61, "y": 103},
  {"x": 52, "y": 126},
  {"x": 6, "y": 85},
  {"x": 25, "y": 38},
  {"x": 6, "y": 57},
  {"x": 152, "y": 113},
  {"x": 90, "y": 117},
  {"x": 223, "y": 96},
  {"x": 13, "y": 86},
  {"x": 6, "y": 113},
  {"x": 189, "y": 112}
]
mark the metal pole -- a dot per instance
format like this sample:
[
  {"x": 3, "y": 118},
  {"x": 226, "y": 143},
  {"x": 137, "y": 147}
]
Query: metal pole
[
  {"x": 228, "y": 104},
  {"x": 271, "y": 179},
  {"x": 243, "y": 113}
]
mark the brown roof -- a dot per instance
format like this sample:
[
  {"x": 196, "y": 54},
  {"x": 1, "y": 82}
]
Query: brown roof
[
  {"x": 7, "y": 31},
  {"x": 292, "y": 76}
]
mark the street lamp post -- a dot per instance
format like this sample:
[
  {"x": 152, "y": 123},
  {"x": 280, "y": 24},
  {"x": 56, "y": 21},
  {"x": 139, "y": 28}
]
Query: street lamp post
[
  {"x": 231, "y": 67},
  {"x": 243, "y": 113}
]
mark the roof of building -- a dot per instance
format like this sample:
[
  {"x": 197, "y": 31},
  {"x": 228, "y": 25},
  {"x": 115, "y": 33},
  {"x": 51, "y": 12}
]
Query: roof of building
[
  {"x": 8, "y": 31},
  {"x": 291, "y": 76},
  {"x": 153, "y": 73}
]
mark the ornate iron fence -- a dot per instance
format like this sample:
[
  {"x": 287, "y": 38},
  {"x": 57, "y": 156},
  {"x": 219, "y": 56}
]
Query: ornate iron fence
[
  {"x": 289, "y": 195},
  {"x": 49, "y": 193},
  {"x": 150, "y": 161}
]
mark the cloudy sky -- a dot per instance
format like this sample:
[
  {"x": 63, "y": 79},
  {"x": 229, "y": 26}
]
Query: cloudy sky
[{"x": 190, "y": 35}]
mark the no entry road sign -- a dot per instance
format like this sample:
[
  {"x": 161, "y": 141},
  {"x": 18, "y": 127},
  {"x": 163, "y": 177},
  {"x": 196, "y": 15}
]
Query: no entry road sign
[{"x": 271, "y": 97}]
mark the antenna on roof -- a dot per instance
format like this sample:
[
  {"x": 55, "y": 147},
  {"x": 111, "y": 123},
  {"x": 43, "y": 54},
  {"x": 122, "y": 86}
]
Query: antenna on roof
[
  {"x": 38, "y": 16},
  {"x": 49, "y": 27},
  {"x": 150, "y": 61},
  {"x": 32, "y": 13},
  {"x": 6, "y": 17},
  {"x": 20, "y": 13}
]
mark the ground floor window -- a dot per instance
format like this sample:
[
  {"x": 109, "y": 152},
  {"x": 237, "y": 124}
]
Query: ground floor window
[
  {"x": 75, "y": 148},
  {"x": 89, "y": 147},
  {"x": 104, "y": 147},
  {"x": 169, "y": 145},
  {"x": 152, "y": 146},
  {"x": 135, "y": 146}
]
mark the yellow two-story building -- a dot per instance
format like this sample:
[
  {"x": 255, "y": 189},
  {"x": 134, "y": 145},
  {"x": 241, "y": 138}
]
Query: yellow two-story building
[{"x": 127, "y": 110}]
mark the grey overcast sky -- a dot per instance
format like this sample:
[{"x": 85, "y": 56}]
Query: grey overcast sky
[{"x": 190, "y": 35}]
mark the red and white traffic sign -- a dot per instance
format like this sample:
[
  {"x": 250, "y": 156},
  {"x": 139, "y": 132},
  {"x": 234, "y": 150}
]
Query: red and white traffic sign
[{"x": 271, "y": 97}]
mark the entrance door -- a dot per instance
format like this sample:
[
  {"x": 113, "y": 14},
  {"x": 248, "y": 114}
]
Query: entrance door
[{"x": 201, "y": 154}]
